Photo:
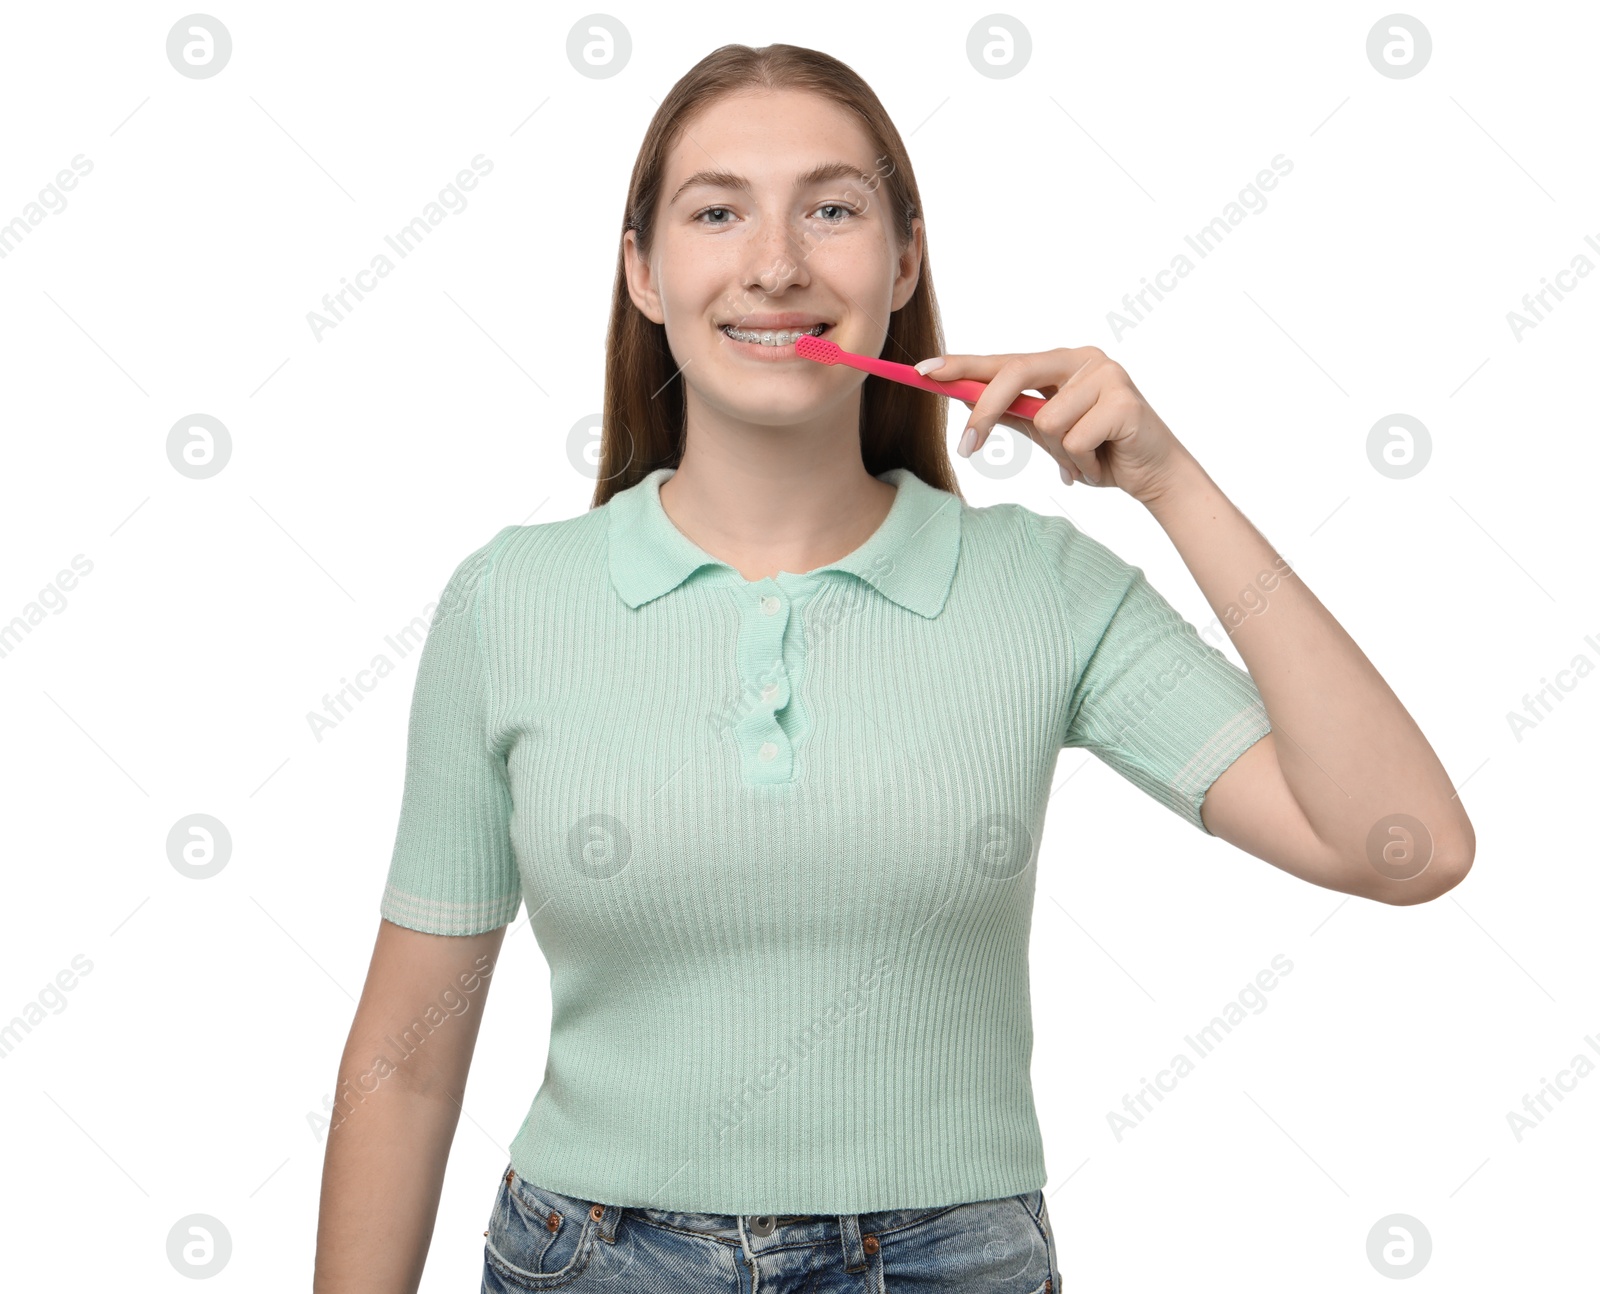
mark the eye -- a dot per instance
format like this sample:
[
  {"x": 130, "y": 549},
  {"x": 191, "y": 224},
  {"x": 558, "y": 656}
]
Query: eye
[{"x": 845, "y": 208}]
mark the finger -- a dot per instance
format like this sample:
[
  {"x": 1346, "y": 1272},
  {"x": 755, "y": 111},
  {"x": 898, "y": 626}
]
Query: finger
[
  {"x": 1020, "y": 425},
  {"x": 1065, "y": 423},
  {"x": 951, "y": 364},
  {"x": 1088, "y": 467},
  {"x": 976, "y": 368},
  {"x": 1025, "y": 429},
  {"x": 1062, "y": 411},
  {"x": 1009, "y": 380},
  {"x": 1032, "y": 371},
  {"x": 948, "y": 368},
  {"x": 1050, "y": 444},
  {"x": 1071, "y": 473},
  {"x": 982, "y": 368},
  {"x": 943, "y": 368},
  {"x": 1082, "y": 443}
]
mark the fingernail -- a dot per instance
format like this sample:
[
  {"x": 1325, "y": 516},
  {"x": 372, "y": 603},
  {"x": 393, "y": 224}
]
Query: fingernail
[
  {"x": 928, "y": 365},
  {"x": 1066, "y": 475},
  {"x": 969, "y": 442}
]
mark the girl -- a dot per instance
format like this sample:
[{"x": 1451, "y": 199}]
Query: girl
[{"x": 765, "y": 739}]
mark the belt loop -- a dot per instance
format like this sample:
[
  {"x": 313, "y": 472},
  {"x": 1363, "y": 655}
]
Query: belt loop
[{"x": 855, "y": 1255}]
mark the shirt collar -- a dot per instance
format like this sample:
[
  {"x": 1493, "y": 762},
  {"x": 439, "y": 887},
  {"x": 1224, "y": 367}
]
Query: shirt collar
[{"x": 910, "y": 559}]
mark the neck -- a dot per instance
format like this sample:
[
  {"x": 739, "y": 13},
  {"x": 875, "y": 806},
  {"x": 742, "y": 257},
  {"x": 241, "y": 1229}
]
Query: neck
[{"x": 781, "y": 501}]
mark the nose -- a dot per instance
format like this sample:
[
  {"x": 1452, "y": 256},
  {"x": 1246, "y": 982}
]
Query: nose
[{"x": 775, "y": 259}]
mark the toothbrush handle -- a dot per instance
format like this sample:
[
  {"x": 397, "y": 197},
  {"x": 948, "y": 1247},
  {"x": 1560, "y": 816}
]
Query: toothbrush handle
[
  {"x": 1024, "y": 406},
  {"x": 963, "y": 388}
]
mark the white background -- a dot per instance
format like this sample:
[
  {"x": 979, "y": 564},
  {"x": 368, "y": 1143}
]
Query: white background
[{"x": 177, "y": 679}]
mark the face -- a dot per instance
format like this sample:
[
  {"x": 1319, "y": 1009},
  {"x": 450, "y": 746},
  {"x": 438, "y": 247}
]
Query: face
[{"x": 745, "y": 237}]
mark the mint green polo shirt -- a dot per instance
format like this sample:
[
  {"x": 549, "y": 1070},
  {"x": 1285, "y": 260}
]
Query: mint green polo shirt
[{"x": 777, "y": 839}]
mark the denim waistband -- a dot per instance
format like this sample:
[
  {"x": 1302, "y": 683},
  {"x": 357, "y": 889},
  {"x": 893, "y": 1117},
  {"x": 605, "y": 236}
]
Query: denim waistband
[
  {"x": 764, "y": 1230},
  {"x": 787, "y": 1242},
  {"x": 803, "y": 1228}
]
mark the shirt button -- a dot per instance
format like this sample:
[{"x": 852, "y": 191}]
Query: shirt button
[
  {"x": 770, "y": 691},
  {"x": 767, "y": 753},
  {"x": 770, "y": 604}
]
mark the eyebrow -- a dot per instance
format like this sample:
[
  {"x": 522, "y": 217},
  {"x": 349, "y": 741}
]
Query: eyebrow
[{"x": 818, "y": 174}]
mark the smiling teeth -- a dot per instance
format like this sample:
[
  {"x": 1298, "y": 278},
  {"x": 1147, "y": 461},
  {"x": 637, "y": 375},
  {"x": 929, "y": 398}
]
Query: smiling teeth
[{"x": 772, "y": 337}]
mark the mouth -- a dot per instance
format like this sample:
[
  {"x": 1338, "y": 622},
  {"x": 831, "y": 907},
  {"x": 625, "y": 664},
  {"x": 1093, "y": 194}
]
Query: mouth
[{"x": 777, "y": 339}]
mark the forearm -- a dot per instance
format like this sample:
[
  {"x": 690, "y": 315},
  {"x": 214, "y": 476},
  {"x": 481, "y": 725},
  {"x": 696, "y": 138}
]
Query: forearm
[
  {"x": 382, "y": 1176},
  {"x": 1348, "y": 750}
]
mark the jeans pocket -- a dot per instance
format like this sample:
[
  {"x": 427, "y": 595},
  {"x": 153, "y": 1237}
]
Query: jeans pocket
[
  {"x": 994, "y": 1246},
  {"x": 1034, "y": 1202},
  {"x": 538, "y": 1239}
]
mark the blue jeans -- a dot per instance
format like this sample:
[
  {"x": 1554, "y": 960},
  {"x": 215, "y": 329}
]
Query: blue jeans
[{"x": 540, "y": 1239}]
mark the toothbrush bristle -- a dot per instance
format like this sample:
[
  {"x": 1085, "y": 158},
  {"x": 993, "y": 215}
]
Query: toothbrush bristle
[{"x": 818, "y": 348}]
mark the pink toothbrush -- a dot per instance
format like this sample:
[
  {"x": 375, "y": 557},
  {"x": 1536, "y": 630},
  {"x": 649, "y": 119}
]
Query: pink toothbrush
[{"x": 830, "y": 352}]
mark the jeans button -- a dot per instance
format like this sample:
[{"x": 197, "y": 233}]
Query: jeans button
[{"x": 762, "y": 1226}]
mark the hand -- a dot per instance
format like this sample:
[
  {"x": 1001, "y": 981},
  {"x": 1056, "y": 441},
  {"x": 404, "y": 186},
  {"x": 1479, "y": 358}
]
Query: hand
[{"x": 1094, "y": 422}]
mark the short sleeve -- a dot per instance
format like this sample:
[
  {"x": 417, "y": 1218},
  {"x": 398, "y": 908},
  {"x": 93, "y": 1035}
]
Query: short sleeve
[
  {"x": 1149, "y": 697},
  {"x": 453, "y": 870}
]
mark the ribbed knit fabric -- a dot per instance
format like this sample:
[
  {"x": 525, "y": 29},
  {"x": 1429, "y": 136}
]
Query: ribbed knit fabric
[{"x": 777, "y": 838}]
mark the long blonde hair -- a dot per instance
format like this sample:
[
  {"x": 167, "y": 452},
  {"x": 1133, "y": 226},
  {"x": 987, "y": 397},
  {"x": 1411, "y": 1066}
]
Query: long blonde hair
[{"x": 642, "y": 412}]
